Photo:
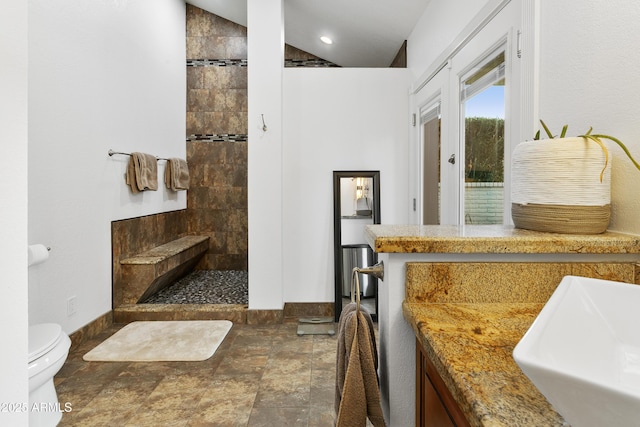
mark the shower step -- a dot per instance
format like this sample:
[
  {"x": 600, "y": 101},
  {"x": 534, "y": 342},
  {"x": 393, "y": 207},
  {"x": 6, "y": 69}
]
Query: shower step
[
  {"x": 147, "y": 273},
  {"x": 236, "y": 313}
]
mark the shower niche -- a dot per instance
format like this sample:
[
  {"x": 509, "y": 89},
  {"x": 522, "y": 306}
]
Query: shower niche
[{"x": 356, "y": 203}]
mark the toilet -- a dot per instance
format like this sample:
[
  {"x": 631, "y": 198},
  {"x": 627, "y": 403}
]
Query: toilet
[{"x": 48, "y": 350}]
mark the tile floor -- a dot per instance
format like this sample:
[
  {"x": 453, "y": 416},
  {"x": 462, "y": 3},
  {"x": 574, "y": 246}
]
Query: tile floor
[{"x": 261, "y": 375}]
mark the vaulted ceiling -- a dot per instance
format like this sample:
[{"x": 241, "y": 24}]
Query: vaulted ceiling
[{"x": 365, "y": 33}]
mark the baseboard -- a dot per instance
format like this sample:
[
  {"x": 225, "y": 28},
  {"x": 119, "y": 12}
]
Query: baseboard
[
  {"x": 308, "y": 309},
  {"x": 264, "y": 317},
  {"x": 147, "y": 312},
  {"x": 292, "y": 311},
  {"x": 91, "y": 329}
]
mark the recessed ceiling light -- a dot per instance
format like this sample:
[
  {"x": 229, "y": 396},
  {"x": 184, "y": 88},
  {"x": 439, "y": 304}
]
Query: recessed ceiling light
[{"x": 326, "y": 40}]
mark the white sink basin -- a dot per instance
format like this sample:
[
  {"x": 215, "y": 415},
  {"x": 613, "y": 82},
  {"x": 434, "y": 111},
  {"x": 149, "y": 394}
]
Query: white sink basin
[{"x": 583, "y": 352}]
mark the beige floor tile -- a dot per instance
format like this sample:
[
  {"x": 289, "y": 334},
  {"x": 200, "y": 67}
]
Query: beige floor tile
[
  {"x": 103, "y": 416},
  {"x": 233, "y": 411},
  {"x": 160, "y": 417},
  {"x": 322, "y": 416},
  {"x": 282, "y": 417}
]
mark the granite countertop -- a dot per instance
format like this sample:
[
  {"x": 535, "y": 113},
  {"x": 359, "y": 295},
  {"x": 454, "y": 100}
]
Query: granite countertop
[
  {"x": 471, "y": 345},
  {"x": 163, "y": 252},
  {"x": 496, "y": 239}
]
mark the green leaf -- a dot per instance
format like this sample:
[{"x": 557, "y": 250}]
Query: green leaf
[
  {"x": 546, "y": 129},
  {"x": 564, "y": 131},
  {"x": 597, "y": 140},
  {"x": 624, "y": 148}
]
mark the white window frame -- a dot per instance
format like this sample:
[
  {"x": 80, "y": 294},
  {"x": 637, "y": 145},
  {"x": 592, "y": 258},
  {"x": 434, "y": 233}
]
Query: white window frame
[{"x": 520, "y": 28}]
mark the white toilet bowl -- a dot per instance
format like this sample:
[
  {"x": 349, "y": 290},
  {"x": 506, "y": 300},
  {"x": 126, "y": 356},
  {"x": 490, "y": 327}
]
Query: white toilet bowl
[{"x": 48, "y": 350}]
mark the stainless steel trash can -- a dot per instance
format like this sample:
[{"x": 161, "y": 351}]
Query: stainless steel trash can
[{"x": 357, "y": 256}]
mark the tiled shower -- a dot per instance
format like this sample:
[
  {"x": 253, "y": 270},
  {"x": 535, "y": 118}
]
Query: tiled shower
[{"x": 216, "y": 146}]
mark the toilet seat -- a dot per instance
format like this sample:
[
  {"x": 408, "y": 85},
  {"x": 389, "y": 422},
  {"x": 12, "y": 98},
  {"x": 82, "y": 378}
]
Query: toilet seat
[{"x": 42, "y": 338}]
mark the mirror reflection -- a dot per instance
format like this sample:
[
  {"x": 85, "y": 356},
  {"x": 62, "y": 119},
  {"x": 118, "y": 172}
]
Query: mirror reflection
[{"x": 355, "y": 197}]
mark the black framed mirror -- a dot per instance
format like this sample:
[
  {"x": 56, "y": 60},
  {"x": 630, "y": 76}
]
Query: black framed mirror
[{"x": 356, "y": 203}]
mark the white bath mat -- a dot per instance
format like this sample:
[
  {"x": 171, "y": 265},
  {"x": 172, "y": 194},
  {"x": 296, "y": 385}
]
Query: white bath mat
[{"x": 155, "y": 341}]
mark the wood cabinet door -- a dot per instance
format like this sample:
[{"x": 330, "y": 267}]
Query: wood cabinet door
[{"x": 435, "y": 406}]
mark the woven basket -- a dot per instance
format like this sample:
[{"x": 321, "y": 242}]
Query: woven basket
[{"x": 556, "y": 186}]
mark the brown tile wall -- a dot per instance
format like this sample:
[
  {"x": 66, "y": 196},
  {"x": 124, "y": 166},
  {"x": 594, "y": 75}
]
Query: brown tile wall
[
  {"x": 216, "y": 95},
  {"x": 134, "y": 235},
  {"x": 217, "y": 105},
  {"x": 217, "y": 202},
  {"x": 212, "y": 37},
  {"x": 216, "y": 100},
  {"x": 293, "y": 53}
]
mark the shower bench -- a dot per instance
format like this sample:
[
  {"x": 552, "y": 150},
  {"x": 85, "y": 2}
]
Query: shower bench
[{"x": 148, "y": 272}]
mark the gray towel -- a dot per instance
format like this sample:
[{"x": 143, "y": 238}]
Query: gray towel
[{"x": 357, "y": 392}]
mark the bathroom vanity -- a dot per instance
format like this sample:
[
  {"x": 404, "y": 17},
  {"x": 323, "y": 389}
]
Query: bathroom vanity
[{"x": 455, "y": 301}]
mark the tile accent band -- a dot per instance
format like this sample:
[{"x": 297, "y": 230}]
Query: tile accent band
[
  {"x": 289, "y": 63},
  {"x": 218, "y": 138}
]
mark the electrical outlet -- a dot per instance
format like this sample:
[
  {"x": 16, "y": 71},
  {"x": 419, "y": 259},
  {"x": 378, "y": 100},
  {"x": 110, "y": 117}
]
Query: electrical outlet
[{"x": 72, "y": 306}]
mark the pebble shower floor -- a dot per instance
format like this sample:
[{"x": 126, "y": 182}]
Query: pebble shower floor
[{"x": 206, "y": 287}]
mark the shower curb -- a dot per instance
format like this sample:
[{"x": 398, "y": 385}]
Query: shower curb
[{"x": 236, "y": 313}]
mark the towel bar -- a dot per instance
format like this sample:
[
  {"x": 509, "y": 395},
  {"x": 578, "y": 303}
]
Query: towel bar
[
  {"x": 111, "y": 153},
  {"x": 376, "y": 270}
]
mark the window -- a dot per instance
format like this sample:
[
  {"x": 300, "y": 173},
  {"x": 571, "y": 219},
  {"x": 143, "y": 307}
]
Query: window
[
  {"x": 471, "y": 105},
  {"x": 482, "y": 102}
]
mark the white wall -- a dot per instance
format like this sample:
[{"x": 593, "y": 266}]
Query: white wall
[
  {"x": 589, "y": 77},
  {"x": 101, "y": 75},
  {"x": 438, "y": 27},
  {"x": 13, "y": 215},
  {"x": 337, "y": 119},
  {"x": 265, "y": 50}
]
